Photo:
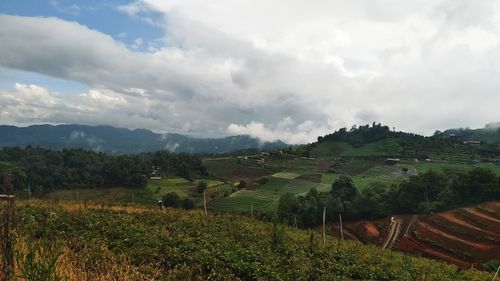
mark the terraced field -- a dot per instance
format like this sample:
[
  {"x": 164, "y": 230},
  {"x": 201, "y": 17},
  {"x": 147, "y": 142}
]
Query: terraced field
[
  {"x": 264, "y": 197},
  {"x": 242, "y": 200},
  {"x": 233, "y": 168},
  {"x": 466, "y": 237}
]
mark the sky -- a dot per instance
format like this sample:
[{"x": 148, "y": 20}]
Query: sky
[{"x": 273, "y": 69}]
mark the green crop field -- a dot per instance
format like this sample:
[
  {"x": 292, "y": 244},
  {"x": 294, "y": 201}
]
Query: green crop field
[
  {"x": 241, "y": 201},
  {"x": 292, "y": 186},
  {"x": 265, "y": 196},
  {"x": 158, "y": 188}
]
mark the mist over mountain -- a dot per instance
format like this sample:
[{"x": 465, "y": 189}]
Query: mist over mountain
[
  {"x": 120, "y": 140},
  {"x": 490, "y": 133}
]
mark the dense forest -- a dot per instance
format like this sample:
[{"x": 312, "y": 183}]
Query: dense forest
[
  {"x": 38, "y": 170},
  {"x": 425, "y": 193}
]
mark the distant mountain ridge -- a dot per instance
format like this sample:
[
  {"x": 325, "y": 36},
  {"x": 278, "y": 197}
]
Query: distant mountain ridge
[{"x": 120, "y": 140}]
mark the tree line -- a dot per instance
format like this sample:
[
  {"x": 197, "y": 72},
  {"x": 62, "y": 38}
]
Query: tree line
[
  {"x": 425, "y": 193},
  {"x": 42, "y": 170},
  {"x": 412, "y": 145}
]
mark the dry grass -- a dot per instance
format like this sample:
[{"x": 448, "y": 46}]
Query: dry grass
[
  {"x": 71, "y": 266},
  {"x": 79, "y": 206}
]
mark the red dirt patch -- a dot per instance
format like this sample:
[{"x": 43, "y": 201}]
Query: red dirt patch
[
  {"x": 368, "y": 230},
  {"x": 465, "y": 237}
]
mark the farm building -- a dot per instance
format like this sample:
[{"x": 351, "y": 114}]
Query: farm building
[
  {"x": 392, "y": 161},
  {"x": 472, "y": 142}
]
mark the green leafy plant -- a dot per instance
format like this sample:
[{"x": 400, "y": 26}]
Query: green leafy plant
[{"x": 38, "y": 263}]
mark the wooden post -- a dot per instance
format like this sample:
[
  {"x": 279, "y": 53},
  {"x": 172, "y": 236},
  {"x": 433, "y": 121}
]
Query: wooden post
[
  {"x": 133, "y": 197},
  {"x": 77, "y": 195},
  {"x": 324, "y": 231},
  {"x": 496, "y": 274},
  {"x": 341, "y": 231},
  {"x": 7, "y": 222},
  {"x": 251, "y": 207},
  {"x": 205, "y": 202}
]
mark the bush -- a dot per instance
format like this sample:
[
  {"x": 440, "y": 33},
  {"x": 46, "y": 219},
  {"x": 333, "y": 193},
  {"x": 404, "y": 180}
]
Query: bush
[
  {"x": 242, "y": 184},
  {"x": 187, "y": 204},
  {"x": 491, "y": 266},
  {"x": 171, "y": 199}
]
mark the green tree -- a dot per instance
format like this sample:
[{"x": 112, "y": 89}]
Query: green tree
[
  {"x": 15, "y": 174},
  {"x": 343, "y": 189},
  {"x": 202, "y": 185},
  {"x": 187, "y": 204},
  {"x": 288, "y": 208}
]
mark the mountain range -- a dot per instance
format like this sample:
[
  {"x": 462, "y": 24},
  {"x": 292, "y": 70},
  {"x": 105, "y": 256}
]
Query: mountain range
[{"x": 120, "y": 140}]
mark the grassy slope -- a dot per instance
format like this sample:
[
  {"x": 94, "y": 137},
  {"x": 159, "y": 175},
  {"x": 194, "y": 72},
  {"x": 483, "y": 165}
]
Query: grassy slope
[
  {"x": 130, "y": 243},
  {"x": 383, "y": 148}
]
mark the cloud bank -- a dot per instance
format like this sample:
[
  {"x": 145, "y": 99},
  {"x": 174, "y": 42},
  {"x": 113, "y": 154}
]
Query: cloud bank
[{"x": 273, "y": 70}]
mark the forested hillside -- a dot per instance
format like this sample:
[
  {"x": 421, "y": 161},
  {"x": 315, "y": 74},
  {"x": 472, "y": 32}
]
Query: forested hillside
[{"x": 41, "y": 170}]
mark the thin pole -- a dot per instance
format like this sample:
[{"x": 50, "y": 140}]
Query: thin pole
[
  {"x": 77, "y": 195},
  {"x": 341, "y": 231},
  {"x": 7, "y": 269},
  {"x": 205, "y": 202},
  {"x": 324, "y": 231},
  {"x": 496, "y": 274},
  {"x": 251, "y": 206}
]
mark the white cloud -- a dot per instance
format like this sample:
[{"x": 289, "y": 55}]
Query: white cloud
[
  {"x": 303, "y": 133},
  {"x": 271, "y": 70}
]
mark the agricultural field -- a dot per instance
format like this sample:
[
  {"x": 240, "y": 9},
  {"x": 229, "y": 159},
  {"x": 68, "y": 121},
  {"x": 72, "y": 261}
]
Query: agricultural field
[
  {"x": 114, "y": 194},
  {"x": 241, "y": 201},
  {"x": 234, "y": 168},
  {"x": 149, "y": 195},
  {"x": 288, "y": 173},
  {"x": 129, "y": 242},
  {"x": 264, "y": 197},
  {"x": 465, "y": 237}
]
